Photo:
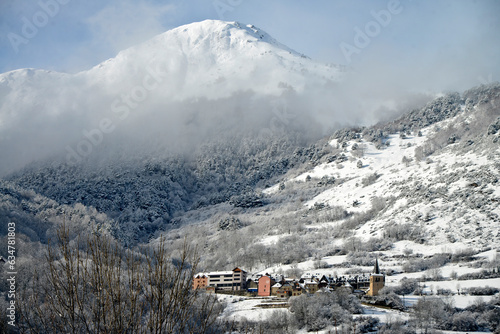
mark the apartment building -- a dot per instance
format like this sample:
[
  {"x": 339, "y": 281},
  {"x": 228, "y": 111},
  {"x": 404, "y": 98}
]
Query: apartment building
[
  {"x": 200, "y": 281},
  {"x": 222, "y": 280}
]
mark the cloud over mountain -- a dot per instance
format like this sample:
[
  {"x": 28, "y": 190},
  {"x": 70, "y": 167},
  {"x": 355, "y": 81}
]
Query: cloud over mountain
[{"x": 182, "y": 84}]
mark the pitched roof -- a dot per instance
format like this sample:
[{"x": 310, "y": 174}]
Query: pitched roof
[
  {"x": 311, "y": 283},
  {"x": 199, "y": 275}
]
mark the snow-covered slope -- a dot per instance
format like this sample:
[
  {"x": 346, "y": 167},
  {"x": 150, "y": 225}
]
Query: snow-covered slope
[
  {"x": 210, "y": 59},
  {"x": 425, "y": 184},
  {"x": 214, "y": 59},
  {"x": 452, "y": 195},
  {"x": 43, "y": 112}
]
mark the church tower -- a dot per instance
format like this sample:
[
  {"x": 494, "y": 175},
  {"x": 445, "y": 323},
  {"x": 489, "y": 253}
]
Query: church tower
[{"x": 377, "y": 281}]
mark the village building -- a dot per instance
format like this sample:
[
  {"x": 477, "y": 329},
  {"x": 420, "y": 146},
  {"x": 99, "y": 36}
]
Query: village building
[
  {"x": 233, "y": 280},
  {"x": 200, "y": 281},
  {"x": 275, "y": 288},
  {"x": 311, "y": 286},
  {"x": 265, "y": 284},
  {"x": 253, "y": 285},
  {"x": 289, "y": 289},
  {"x": 377, "y": 281}
]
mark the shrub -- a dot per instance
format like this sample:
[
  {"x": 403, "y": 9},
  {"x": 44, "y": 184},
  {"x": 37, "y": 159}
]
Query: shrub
[
  {"x": 464, "y": 321},
  {"x": 315, "y": 312},
  {"x": 479, "y": 275},
  {"x": 390, "y": 300},
  {"x": 332, "y": 214},
  {"x": 397, "y": 327},
  {"x": 366, "y": 324},
  {"x": 434, "y": 262},
  {"x": 431, "y": 313},
  {"x": 406, "y": 286},
  {"x": 465, "y": 255},
  {"x": 398, "y": 232},
  {"x": 481, "y": 291},
  {"x": 229, "y": 223},
  {"x": 362, "y": 258},
  {"x": 370, "y": 179},
  {"x": 444, "y": 292},
  {"x": 376, "y": 244}
]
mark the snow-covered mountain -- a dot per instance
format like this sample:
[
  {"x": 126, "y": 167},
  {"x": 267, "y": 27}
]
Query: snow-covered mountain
[
  {"x": 166, "y": 87},
  {"x": 427, "y": 182},
  {"x": 207, "y": 135},
  {"x": 214, "y": 59},
  {"x": 205, "y": 59},
  {"x": 42, "y": 112}
]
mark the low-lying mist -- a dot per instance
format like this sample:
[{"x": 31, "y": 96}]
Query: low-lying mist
[{"x": 157, "y": 106}]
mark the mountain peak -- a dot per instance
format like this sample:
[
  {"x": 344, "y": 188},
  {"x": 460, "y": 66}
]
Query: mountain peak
[
  {"x": 227, "y": 29},
  {"x": 212, "y": 58}
]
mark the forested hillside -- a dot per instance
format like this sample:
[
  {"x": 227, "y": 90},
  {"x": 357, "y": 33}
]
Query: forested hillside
[{"x": 146, "y": 193}]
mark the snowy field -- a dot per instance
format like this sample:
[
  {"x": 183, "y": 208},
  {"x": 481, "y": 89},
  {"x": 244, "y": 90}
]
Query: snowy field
[{"x": 248, "y": 308}]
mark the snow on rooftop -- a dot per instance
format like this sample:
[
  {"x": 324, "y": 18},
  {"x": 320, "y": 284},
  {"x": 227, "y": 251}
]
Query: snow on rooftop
[{"x": 220, "y": 273}]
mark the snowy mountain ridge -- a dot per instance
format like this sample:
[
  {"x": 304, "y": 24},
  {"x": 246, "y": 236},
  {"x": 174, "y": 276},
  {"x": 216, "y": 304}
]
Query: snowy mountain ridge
[
  {"x": 214, "y": 58},
  {"x": 441, "y": 180},
  {"x": 166, "y": 80},
  {"x": 189, "y": 165},
  {"x": 208, "y": 50},
  {"x": 431, "y": 189}
]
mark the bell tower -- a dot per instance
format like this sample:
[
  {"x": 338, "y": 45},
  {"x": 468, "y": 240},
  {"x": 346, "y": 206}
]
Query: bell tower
[{"x": 377, "y": 281}]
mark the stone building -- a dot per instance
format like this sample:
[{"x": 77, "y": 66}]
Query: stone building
[{"x": 377, "y": 281}]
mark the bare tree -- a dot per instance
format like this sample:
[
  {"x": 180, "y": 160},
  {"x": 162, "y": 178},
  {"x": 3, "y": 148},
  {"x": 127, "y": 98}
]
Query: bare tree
[{"x": 94, "y": 285}]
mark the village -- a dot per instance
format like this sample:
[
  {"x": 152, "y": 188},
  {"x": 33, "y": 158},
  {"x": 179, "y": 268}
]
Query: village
[{"x": 239, "y": 282}]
